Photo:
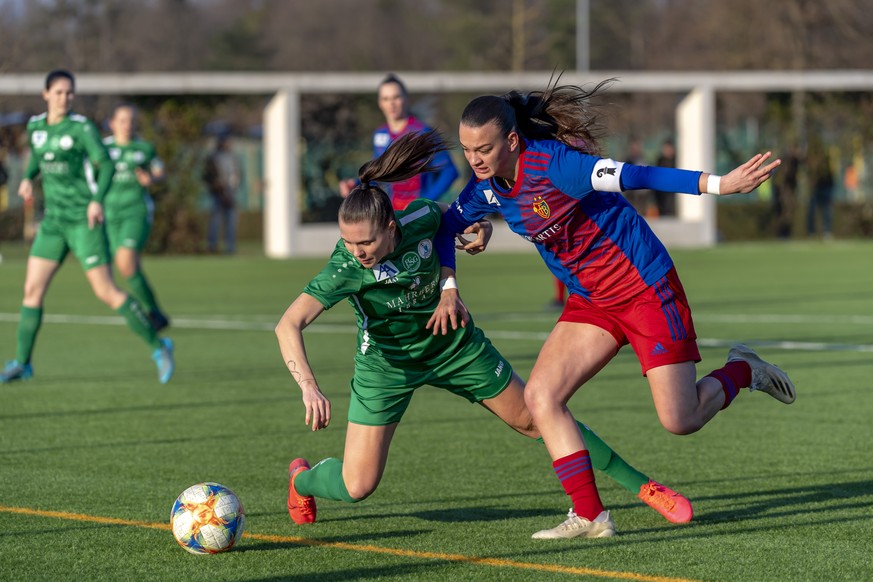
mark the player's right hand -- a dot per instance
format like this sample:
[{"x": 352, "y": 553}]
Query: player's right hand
[
  {"x": 483, "y": 230},
  {"x": 317, "y": 406},
  {"x": 25, "y": 190},
  {"x": 346, "y": 187}
]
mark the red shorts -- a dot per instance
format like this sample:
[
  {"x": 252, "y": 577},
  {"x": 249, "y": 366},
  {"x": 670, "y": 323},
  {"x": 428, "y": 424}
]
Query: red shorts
[{"x": 656, "y": 322}]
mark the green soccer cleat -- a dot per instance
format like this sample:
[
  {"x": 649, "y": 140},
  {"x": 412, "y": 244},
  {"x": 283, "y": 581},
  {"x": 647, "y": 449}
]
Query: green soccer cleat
[
  {"x": 14, "y": 370},
  {"x": 163, "y": 357},
  {"x": 576, "y": 527},
  {"x": 765, "y": 376}
]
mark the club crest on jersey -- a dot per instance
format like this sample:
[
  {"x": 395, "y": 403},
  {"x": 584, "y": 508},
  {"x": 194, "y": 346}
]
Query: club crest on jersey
[
  {"x": 541, "y": 207},
  {"x": 385, "y": 271},
  {"x": 39, "y": 138},
  {"x": 411, "y": 261},
  {"x": 425, "y": 248}
]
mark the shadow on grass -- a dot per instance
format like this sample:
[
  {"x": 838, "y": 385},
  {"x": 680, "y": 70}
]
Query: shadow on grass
[
  {"x": 428, "y": 568},
  {"x": 313, "y": 541}
]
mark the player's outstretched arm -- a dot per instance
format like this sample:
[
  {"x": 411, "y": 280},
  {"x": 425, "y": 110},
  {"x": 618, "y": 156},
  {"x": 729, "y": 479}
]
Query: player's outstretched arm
[
  {"x": 743, "y": 178},
  {"x": 289, "y": 332}
]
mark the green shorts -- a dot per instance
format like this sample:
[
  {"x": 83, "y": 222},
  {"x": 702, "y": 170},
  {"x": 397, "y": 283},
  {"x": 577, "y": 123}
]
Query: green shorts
[
  {"x": 55, "y": 239},
  {"x": 381, "y": 391},
  {"x": 129, "y": 231}
]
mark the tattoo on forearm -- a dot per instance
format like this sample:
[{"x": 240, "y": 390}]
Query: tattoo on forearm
[{"x": 297, "y": 374}]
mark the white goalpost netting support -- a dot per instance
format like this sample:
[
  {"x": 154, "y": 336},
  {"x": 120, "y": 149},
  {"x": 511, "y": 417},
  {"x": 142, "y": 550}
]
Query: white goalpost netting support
[{"x": 286, "y": 236}]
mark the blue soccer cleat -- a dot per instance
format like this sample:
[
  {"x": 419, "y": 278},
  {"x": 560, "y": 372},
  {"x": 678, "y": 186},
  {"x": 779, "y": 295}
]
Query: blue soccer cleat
[
  {"x": 163, "y": 357},
  {"x": 14, "y": 370}
]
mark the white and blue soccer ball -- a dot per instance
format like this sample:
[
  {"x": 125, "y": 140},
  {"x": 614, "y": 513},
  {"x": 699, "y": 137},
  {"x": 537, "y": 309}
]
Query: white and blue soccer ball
[{"x": 207, "y": 518}]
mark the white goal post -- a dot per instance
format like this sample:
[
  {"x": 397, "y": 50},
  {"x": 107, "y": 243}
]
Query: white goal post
[{"x": 284, "y": 234}]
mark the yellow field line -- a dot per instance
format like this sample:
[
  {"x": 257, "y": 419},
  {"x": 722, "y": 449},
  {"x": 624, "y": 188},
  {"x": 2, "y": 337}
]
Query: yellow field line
[{"x": 494, "y": 562}]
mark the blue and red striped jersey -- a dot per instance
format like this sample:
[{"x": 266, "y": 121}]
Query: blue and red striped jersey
[
  {"x": 569, "y": 205},
  {"x": 430, "y": 185}
]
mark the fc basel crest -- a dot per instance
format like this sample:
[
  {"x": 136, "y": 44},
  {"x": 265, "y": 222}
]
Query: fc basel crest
[{"x": 541, "y": 207}]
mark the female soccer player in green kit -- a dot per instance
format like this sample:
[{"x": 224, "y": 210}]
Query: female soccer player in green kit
[
  {"x": 65, "y": 148},
  {"x": 385, "y": 265},
  {"x": 129, "y": 207}
]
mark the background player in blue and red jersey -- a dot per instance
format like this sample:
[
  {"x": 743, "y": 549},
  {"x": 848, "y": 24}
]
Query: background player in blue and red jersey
[
  {"x": 534, "y": 159},
  {"x": 394, "y": 103}
]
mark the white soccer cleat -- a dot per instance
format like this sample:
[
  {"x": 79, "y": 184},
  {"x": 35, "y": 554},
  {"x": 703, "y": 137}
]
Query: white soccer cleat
[
  {"x": 765, "y": 376},
  {"x": 575, "y": 527}
]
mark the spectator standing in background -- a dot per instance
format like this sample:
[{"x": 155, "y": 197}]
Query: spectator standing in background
[
  {"x": 223, "y": 176},
  {"x": 393, "y": 100},
  {"x": 666, "y": 201},
  {"x": 785, "y": 192},
  {"x": 821, "y": 181}
]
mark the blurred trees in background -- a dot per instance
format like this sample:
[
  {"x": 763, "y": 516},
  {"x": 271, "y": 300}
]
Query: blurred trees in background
[
  {"x": 420, "y": 35},
  {"x": 443, "y": 35}
]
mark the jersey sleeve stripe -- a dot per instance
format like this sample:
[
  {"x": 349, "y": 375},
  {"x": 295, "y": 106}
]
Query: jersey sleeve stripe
[{"x": 423, "y": 211}]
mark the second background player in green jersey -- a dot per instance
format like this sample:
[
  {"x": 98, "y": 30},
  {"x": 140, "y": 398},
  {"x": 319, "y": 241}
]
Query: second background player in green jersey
[{"x": 129, "y": 207}]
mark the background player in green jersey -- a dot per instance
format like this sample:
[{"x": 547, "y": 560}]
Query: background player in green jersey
[
  {"x": 76, "y": 173},
  {"x": 386, "y": 266},
  {"x": 129, "y": 207}
]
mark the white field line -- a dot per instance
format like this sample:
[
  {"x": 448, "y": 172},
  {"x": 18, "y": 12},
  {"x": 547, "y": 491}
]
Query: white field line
[{"x": 536, "y": 336}]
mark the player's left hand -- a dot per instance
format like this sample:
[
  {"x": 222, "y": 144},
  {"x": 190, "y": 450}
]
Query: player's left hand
[
  {"x": 748, "y": 176},
  {"x": 483, "y": 230},
  {"x": 450, "y": 311},
  {"x": 95, "y": 214},
  {"x": 144, "y": 178}
]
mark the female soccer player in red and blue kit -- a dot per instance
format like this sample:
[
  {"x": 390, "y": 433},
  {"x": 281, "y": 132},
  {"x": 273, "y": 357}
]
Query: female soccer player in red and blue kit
[
  {"x": 534, "y": 159},
  {"x": 393, "y": 101}
]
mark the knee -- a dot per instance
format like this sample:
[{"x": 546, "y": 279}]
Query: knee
[
  {"x": 537, "y": 401},
  {"x": 359, "y": 488},
  {"x": 681, "y": 426},
  {"x": 126, "y": 269},
  {"x": 524, "y": 424},
  {"x": 33, "y": 293}
]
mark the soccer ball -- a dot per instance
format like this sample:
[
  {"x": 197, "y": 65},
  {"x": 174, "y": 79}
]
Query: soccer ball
[{"x": 207, "y": 518}]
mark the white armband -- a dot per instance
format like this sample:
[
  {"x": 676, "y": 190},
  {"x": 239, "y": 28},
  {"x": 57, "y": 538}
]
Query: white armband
[
  {"x": 448, "y": 283},
  {"x": 713, "y": 184}
]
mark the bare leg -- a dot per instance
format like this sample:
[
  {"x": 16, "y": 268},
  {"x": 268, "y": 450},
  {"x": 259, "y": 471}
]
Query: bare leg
[
  {"x": 572, "y": 355},
  {"x": 683, "y": 404},
  {"x": 365, "y": 456},
  {"x": 104, "y": 286}
]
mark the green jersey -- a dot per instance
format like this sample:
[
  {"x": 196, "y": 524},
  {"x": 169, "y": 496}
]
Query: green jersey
[
  {"x": 394, "y": 299},
  {"x": 126, "y": 194},
  {"x": 65, "y": 154}
]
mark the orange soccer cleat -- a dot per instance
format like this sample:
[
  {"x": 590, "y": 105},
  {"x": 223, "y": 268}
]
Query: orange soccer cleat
[
  {"x": 301, "y": 508},
  {"x": 672, "y": 505}
]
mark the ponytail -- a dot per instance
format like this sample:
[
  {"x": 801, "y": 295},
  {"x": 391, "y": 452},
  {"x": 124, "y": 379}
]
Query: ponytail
[
  {"x": 561, "y": 112},
  {"x": 410, "y": 155}
]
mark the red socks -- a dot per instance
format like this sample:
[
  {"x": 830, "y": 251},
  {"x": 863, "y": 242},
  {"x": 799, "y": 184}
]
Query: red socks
[
  {"x": 576, "y": 476},
  {"x": 733, "y": 376}
]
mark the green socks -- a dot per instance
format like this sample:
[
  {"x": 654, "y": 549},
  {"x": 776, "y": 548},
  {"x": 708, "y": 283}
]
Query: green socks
[
  {"x": 143, "y": 291},
  {"x": 139, "y": 322},
  {"x": 606, "y": 460},
  {"x": 29, "y": 323},
  {"x": 324, "y": 480}
]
